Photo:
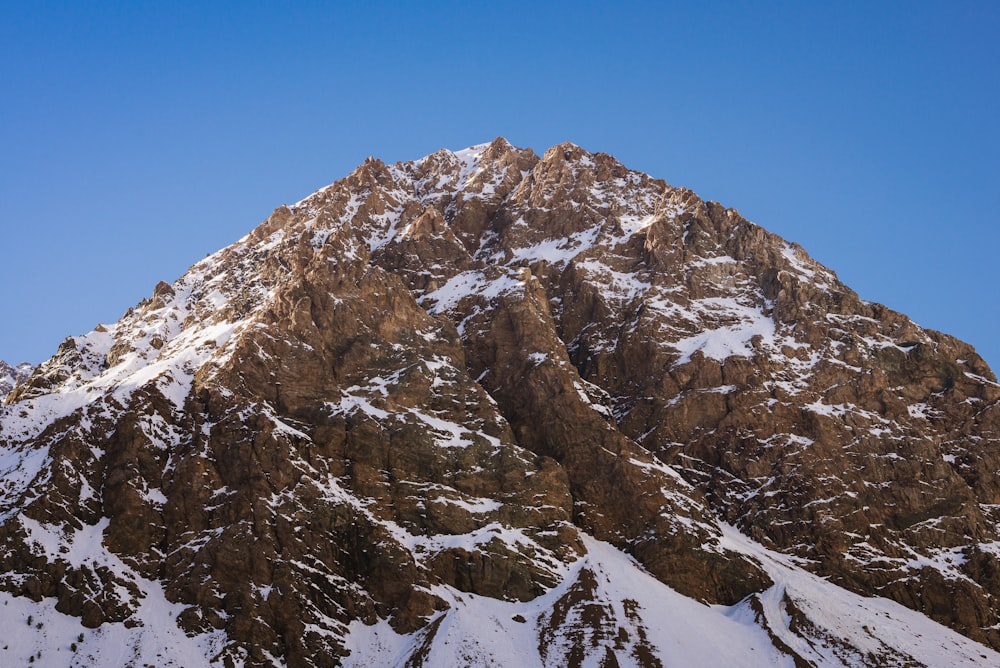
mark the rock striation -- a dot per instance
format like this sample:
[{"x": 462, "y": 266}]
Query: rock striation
[{"x": 464, "y": 379}]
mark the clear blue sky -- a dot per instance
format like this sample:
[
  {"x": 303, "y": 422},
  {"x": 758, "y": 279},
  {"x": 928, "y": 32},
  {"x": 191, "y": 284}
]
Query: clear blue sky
[{"x": 135, "y": 137}]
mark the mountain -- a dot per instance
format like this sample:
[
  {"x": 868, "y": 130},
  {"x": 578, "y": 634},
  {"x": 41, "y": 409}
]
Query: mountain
[
  {"x": 12, "y": 376},
  {"x": 491, "y": 408}
]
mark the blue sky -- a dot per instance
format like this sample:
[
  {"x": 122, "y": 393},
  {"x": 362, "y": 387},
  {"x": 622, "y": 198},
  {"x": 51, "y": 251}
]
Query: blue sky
[{"x": 136, "y": 137}]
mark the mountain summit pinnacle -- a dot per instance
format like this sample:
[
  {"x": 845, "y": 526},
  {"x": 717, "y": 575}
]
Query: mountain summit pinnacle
[{"x": 487, "y": 407}]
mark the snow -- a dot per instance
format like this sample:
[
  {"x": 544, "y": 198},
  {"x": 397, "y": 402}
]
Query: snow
[
  {"x": 480, "y": 631},
  {"x": 944, "y": 560},
  {"x": 477, "y": 506},
  {"x": 538, "y": 358},
  {"x": 794, "y": 256},
  {"x": 20, "y": 470},
  {"x": 447, "y": 434},
  {"x": 729, "y": 340},
  {"x": 618, "y": 287},
  {"x": 829, "y": 410},
  {"x": 155, "y": 640},
  {"x": 843, "y": 629},
  {"x": 632, "y": 224},
  {"x": 659, "y": 467},
  {"x": 460, "y": 286},
  {"x": 469, "y": 160},
  {"x": 559, "y": 252},
  {"x": 872, "y": 626},
  {"x": 55, "y": 638}
]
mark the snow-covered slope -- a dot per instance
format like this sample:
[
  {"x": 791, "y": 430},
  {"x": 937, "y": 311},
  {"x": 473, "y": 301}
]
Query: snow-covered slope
[
  {"x": 490, "y": 408},
  {"x": 605, "y": 605},
  {"x": 609, "y": 606}
]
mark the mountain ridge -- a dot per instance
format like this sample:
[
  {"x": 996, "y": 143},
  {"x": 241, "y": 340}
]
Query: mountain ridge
[{"x": 471, "y": 366}]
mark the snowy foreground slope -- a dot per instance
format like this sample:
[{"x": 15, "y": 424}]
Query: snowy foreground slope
[
  {"x": 644, "y": 623},
  {"x": 491, "y": 408},
  {"x": 641, "y": 623}
]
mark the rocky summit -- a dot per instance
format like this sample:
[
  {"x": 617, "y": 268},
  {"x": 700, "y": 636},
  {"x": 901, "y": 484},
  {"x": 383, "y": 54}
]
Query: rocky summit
[{"x": 495, "y": 408}]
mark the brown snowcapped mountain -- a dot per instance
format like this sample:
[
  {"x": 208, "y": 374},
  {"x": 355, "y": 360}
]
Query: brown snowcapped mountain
[{"x": 486, "y": 393}]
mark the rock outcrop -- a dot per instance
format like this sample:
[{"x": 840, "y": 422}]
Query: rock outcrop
[
  {"x": 12, "y": 376},
  {"x": 447, "y": 376}
]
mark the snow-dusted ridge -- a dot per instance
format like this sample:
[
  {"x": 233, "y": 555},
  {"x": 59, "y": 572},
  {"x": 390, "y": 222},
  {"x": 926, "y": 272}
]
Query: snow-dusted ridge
[{"x": 159, "y": 345}]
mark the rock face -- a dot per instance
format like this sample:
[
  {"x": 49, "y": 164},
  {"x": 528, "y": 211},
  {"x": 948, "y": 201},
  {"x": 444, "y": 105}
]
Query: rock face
[
  {"x": 12, "y": 376},
  {"x": 452, "y": 378}
]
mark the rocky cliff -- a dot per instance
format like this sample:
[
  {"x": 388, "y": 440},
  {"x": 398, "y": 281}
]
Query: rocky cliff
[
  {"x": 492, "y": 392},
  {"x": 12, "y": 376}
]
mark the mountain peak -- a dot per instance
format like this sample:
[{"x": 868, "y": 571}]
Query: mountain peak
[{"x": 490, "y": 388}]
